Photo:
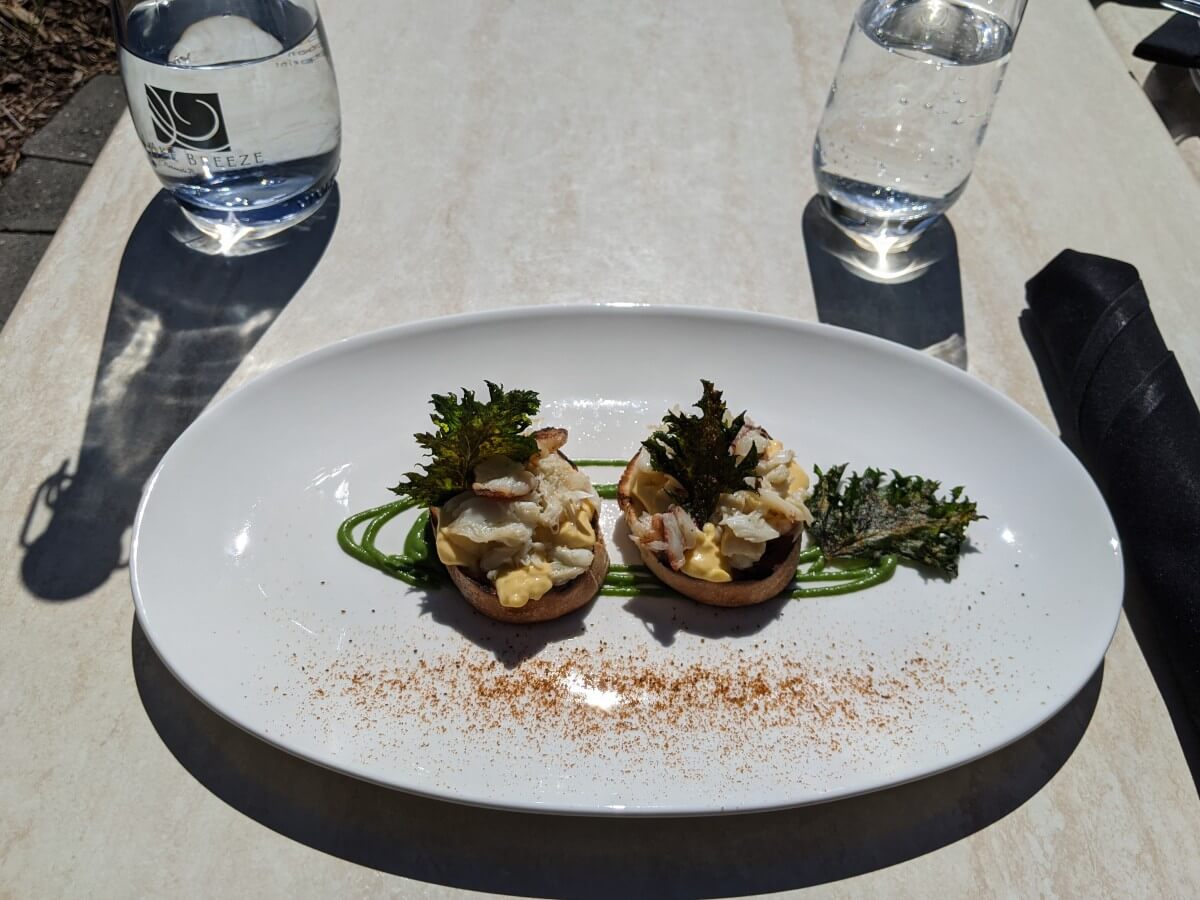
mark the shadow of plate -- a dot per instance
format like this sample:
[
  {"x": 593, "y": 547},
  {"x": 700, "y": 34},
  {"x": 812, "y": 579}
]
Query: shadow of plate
[{"x": 544, "y": 855}]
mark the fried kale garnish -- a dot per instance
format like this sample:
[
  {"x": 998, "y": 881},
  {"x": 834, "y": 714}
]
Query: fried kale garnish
[
  {"x": 863, "y": 517},
  {"x": 697, "y": 451},
  {"x": 466, "y": 433}
]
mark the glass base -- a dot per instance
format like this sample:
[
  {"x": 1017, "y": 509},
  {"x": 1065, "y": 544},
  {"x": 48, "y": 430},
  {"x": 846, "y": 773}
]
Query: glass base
[
  {"x": 878, "y": 235},
  {"x": 235, "y": 226},
  {"x": 876, "y": 255}
]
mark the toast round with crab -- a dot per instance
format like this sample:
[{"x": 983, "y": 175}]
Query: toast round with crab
[
  {"x": 715, "y": 505},
  {"x": 554, "y": 604},
  {"x": 530, "y": 542},
  {"x": 764, "y": 581}
]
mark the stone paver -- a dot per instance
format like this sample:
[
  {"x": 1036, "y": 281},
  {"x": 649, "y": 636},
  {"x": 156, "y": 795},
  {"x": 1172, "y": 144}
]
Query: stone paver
[
  {"x": 38, "y": 195},
  {"x": 79, "y": 130},
  {"x": 19, "y": 256},
  {"x": 55, "y": 161}
]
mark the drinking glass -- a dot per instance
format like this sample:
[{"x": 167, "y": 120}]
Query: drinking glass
[
  {"x": 236, "y": 104},
  {"x": 908, "y": 110}
]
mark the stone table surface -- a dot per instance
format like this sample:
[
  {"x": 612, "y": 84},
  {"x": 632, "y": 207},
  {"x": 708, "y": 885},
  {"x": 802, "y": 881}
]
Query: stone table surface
[
  {"x": 513, "y": 153},
  {"x": 1170, "y": 88}
]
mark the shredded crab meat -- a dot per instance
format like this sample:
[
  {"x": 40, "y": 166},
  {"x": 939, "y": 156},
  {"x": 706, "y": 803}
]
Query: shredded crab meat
[
  {"x": 778, "y": 478},
  {"x": 500, "y": 478},
  {"x": 794, "y": 512},
  {"x": 751, "y": 526},
  {"x": 484, "y": 521},
  {"x": 509, "y": 503},
  {"x": 496, "y": 558},
  {"x": 772, "y": 505},
  {"x": 674, "y": 541},
  {"x": 576, "y": 559},
  {"x": 687, "y": 527},
  {"x": 741, "y": 554},
  {"x": 560, "y": 480},
  {"x": 750, "y": 436},
  {"x": 649, "y": 531},
  {"x": 647, "y": 528},
  {"x": 549, "y": 439}
]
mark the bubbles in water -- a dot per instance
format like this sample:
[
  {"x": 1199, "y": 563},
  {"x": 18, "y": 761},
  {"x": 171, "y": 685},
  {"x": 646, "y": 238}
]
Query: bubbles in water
[{"x": 908, "y": 164}]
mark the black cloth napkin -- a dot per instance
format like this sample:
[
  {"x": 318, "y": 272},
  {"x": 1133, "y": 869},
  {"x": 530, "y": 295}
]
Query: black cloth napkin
[
  {"x": 1176, "y": 42},
  {"x": 1138, "y": 430}
]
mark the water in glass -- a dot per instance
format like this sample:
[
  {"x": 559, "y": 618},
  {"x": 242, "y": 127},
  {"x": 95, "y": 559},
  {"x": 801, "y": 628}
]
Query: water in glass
[
  {"x": 908, "y": 110},
  {"x": 236, "y": 104}
]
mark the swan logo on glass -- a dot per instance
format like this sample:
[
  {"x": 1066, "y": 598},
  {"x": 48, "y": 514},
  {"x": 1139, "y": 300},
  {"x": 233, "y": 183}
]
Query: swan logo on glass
[{"x": 188, "y": 121}]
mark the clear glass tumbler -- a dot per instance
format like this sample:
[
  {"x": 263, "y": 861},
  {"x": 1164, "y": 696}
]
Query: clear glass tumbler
[
  {"x": 237, "y": 106},
  {"x": 908, "y": 110}
]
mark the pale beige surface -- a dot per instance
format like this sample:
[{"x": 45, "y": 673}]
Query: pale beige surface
[
  {"x": 1169, "y": 87},
  {"x": 533, "y": 152}
]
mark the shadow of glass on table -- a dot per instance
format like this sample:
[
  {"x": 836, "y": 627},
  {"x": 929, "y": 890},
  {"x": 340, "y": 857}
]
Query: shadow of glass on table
[
  {"x": 911, "y": 296},
  {"x": 544, "y": 855},
  {"x": 185, "y": 312}
]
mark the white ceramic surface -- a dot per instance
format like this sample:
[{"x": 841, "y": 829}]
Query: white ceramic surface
[{"x": 631, "y": 706}]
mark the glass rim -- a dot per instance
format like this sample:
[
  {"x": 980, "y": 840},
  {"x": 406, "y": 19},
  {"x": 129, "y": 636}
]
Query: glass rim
[{"x": 119, "y": 21}]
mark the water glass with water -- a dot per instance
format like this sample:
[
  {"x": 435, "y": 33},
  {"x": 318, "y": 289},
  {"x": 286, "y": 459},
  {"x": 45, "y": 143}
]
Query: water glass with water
[
  {"x": 236, "y": 104},
  {"x": 908, "y": 110}
]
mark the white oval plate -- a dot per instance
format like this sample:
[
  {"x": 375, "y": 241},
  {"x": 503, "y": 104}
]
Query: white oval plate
[{"x": 630, "y": 706}]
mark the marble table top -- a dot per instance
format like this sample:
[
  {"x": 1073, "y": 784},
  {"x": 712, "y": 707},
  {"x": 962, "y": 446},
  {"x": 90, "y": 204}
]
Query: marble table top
[{"x": 514, "y": 153}]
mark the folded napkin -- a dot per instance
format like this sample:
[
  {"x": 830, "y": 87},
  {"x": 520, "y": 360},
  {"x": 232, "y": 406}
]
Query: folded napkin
[
  {"x": 1138, "y": 429},
  {"x": 1176, "y": 42}
]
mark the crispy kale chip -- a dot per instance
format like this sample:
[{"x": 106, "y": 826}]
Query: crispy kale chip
[
  {"x": 465, "y": 433},
  {"x": 863, "y": 517},
  {"x": 697, "y": 451}
]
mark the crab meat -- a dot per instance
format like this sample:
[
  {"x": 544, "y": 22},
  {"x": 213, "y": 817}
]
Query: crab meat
[
  {"x": 647, "y": 528},
  {"x": 792, "y": 511},
  {"x": 527, "y": 512},
  {"x": 484, "y": 521},
  {"x": 687, "y": 527},
  {"x": 501, "y": 478},
  {"x": 559, "y": 480},
  {"x": 549, "y": 439},
  {"x": 674, "y": 540},
  {"x": 578, "y": 558},
  {"x": 497, "y": 557},
  {"x": 750, "y": 436},
  {"x": 749, "y": 526},
  {"x": 778, "y": 478},
  {"x": 561, "y": 573},
  {"x": 773, "y": 463},
  {"x": 740, "y": 553}
]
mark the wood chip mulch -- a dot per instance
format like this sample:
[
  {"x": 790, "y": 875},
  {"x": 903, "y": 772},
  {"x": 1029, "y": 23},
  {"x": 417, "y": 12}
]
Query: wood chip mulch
[{"x": 48, "y": 48}]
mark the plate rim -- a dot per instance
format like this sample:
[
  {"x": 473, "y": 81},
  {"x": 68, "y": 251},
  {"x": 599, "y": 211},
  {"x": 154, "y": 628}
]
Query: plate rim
[{"x": 871, "y": 343}]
